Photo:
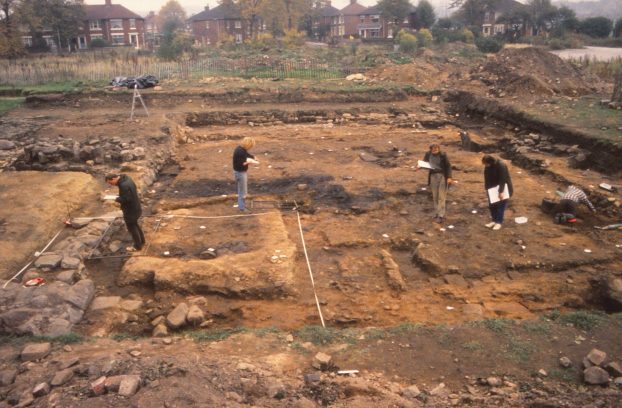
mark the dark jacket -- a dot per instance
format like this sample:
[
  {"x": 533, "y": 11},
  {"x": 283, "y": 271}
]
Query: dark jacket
[
  {"x": 239, "y": 157},
  {"x": 497, "y": 174},
  {"x": 128, "y": 198},
  {"x": 445, "y": 165}
]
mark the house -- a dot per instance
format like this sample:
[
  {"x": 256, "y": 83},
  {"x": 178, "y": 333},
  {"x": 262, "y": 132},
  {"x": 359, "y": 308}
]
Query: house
[
  {"x": 373, "y": 25},
  {"x": 222, "y": 23},
  {"x": 326, "y": 23},
  {"x": 350, "y": 19},
  {"x": 495, "y": 21},
  {"x": 112, "y": 23}
]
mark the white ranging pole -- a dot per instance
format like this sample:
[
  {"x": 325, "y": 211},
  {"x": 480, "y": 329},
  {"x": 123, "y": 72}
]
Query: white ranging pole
[
  {"x": 139, "y": 97},
  {"x": 304, "y": 248},
  {"x": 37, "y": 254}
]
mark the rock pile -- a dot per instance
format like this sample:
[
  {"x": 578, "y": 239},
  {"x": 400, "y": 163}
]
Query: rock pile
[{"x": 598, "y": 370}]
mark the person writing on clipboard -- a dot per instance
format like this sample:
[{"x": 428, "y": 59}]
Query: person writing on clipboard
[
  {"x": 241, "y": 159},
  {"x": 498, "y": 185},
  {"x": 439, "y": 178}
]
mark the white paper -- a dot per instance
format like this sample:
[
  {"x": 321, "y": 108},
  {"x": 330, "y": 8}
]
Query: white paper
[
  {"x": 110, "y": 197},
  {"x": 423, "y": 164},
  {"x": 253, "y": 161},
  {"x": 493, "y": 194}
]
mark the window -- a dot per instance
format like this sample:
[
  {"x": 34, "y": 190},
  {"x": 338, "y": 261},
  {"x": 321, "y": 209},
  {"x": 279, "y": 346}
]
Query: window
[
  {"x": 238, "y": 38},
  {"x": 49, "y": 41},
  {"x": 118, "y": 39},
  {"x": 362, "y": 19},
  {"x": 238, "y": 24},
  {"x": 340, "y": 19},
  {"x": 405, "y": 20},
  {"x": 94, "y": 25},
  {"x": 375, "y": 18},
  {"x": 132, "y": 23},
  {"x": 27, "y": 41},
  {"x": 96, "y": 36},
  {"x": 207, "y": 25},
  {"x": 116, "y": 24}
]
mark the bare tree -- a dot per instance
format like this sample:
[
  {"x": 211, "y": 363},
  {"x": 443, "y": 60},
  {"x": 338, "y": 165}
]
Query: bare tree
[{"x": 616, "y": 98}]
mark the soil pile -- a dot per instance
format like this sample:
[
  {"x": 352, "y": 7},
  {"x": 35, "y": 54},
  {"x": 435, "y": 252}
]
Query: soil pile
[{"x": 533, "y": 71}]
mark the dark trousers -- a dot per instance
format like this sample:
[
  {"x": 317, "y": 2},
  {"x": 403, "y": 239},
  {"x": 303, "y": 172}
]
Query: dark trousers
[
  {"x": 497, "y": 210},
  {"x": 134, "y": 229},
  {"x": 567, "y": 207}
]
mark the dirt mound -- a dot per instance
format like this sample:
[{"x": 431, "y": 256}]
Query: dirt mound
[
  {"x": 534, "y": 71},
  {"x": 422, "y": 74}
]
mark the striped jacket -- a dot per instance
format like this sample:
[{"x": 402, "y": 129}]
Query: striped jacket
[{"x": 578, "y": 196}]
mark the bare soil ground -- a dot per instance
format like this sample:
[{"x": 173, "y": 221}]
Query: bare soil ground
[{"x": 381, "y": 266}]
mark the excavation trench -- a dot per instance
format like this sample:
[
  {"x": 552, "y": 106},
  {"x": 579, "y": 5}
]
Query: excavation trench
[{"x": 376, "y": 257}]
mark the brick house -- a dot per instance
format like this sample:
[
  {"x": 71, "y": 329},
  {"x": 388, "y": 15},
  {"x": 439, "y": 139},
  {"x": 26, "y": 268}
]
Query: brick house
[
  {"x": 350, "y": 19},
  {"x": 326, "y": 24},
  {"x": 373, "y": 25},
  {"x": 221, "y": 23},
  {"x": 112, "y": 23},
  {"x": 494, "y": 23}
]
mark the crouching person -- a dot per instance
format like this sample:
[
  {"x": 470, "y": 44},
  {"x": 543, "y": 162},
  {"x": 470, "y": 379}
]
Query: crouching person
[{"x": 566, "y": 210}]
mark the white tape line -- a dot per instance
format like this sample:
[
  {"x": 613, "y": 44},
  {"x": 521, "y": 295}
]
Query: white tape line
[
  {"x": 36, "y": 256},
  {"x": 304, "y": 248}
]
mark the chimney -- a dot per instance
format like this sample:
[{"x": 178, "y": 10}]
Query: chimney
[
  {"x": 328, "y": 3},
  {"x": 352, "y": 1},
  {"x": 207, "y": 7},
  {"x": 108, "y": 2}
]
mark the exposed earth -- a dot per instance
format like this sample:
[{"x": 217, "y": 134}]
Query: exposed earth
[{"x": 225, "y": 309}]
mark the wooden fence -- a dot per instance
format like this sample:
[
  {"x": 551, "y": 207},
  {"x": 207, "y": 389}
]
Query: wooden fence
[{"x": 39, "y": 71}]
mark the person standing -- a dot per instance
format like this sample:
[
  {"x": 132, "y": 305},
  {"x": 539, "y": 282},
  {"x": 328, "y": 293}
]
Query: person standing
[
  {"x": 241, "y": 160},
  {"x": 497, "y": 175},
  {"x": 130, "y": 206},
  {"x": 439, "y": 179}
]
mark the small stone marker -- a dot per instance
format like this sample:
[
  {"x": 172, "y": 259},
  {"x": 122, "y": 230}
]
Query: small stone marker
[
  {"x": 41, "y": 389},
  {"x": 129, "y": 385}
]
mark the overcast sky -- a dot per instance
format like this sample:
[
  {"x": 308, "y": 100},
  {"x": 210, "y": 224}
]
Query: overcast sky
[{"x": 194, "y": 6}]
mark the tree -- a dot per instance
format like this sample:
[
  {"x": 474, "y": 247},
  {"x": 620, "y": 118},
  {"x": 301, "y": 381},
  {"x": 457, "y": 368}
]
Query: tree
[
  {"x": 394, "y": 11},
  {"x": 172, "y": 14},
  {"x": 472, "y": 12},
  {"x": 617, "y": 89},
  {"x": 542, "y": 13},
  {"x": 617, "y": 29},
  {"x": 171, "y": 20},
  {"x": 10, "y": 37},
  {"x": 425, "y": 14},
  {"x": 599, "y": 27},
  {"x": 61, "y": 17}
]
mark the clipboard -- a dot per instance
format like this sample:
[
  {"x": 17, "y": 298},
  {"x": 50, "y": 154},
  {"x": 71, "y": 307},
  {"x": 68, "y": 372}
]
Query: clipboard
[
  {"x": 493, "y": 194},
  {"x": 424, "y": 165}
]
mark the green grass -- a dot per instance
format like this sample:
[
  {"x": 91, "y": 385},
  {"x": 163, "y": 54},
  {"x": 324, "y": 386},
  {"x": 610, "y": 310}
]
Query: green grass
[
  {"x": 319, "y": 335},
  {"x": 12, "y": 340},
  {"x": 583, "y": 319},
  {"x": 124, "y": 336},
  {"x": 215, "y": 334},
  {"x": 564, "y": 374},
  {"x": 537, "y": 326},
  {"x": 264, "y": 331},
  {"x": 6, "y": 104},
  {"x": 520, "y": 351},
  {"x": 584, "y": 114},
  {"x": 53, "y": 87},
  {"x": 472, "y": 346},
  {"x": 404, "y": 328},
  {"x": 496, "y": 325}
]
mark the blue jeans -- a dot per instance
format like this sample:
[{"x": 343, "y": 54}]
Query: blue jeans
[
  {"x": 241, "y": 179},
  {"x": 497, "y": 209}
]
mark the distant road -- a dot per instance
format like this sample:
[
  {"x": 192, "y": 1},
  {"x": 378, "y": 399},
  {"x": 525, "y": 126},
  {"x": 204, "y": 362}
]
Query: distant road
[{"x": 597, "y": 53}]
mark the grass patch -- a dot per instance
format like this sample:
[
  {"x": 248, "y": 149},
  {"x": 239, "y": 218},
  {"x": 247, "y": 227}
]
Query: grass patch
[
  {"x": 6, "y": 104},
  {"x": 496, "y": 325},
  {"x": 473, "y": 346},
  {"x": 583, "y": 319},
  {"x": 53, "y": 87},
  {"x": 299, "y": 348},
  {"x": 375, "y": 334},
  {"x": 215, "y": 334},
  {"x": 264, "y": 331},
  {"x": 124, "y": 336},
  {"x": 520, "y": 351},
  {"x": 404, "y": 328},
  {"x": 566, "y": 375},
  {"x": 319, "y": 335},
  {"x": 537, "y": 326},
  {"x": 12, "y": 340}
]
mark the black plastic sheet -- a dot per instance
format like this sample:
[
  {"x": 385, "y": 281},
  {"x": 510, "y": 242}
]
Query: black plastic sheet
[{"x": 145, "y": 81}]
